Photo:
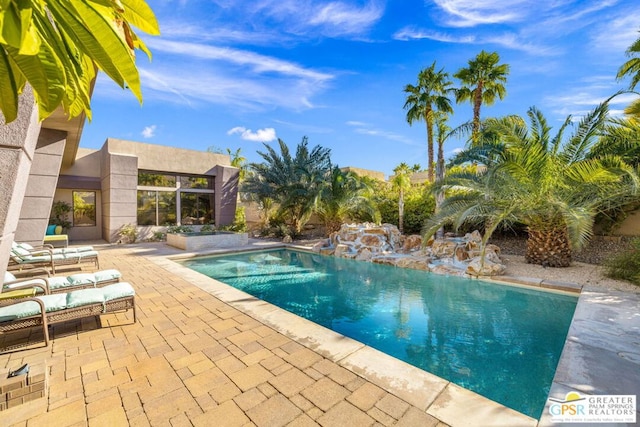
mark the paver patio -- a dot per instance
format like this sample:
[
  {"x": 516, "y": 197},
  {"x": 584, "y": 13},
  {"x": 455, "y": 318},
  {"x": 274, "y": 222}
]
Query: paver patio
[
  {"x": 192, "y": 360},
  {"x": 205, "y": 354}
]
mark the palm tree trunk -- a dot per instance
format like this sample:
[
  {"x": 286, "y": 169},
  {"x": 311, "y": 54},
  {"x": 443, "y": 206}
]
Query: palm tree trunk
[
  {"x": 440, "y": 178},
  {"x": 549, "y": 247},
  {"x": 477, "y": 103},
  {"x": 429, "y": 121},
  {"x": 401, "y": 212}
]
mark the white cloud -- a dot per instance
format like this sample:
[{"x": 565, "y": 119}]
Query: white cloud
[
  {"x": 233, "y": 77},
  {"x": 311, "y": 18},
  {"x": 256, "y": 62},
  {"x": 261, "y": 135},
  {"x": 508, "y": 40},
  {"x": 149, "y": 131},
  {"x": 469, "y": 13},
  {"x": 364, "y": 129}
]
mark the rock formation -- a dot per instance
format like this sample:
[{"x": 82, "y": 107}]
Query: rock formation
[{"x": 383, "y": 244}]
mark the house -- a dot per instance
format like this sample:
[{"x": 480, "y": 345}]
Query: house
[{"x": 41, "y": 162}]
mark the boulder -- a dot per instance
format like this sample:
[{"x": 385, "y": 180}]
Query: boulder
[
  {"x": 489, "y": 268},
  {"x": 364, "y": 255},
  {"x": 341, "y": 250},
  {"x": 319, "y": 245},
  {"x": 412, "y": 243},
  {"x": 416, "y": 263},
  {"x": 443, "y": 248}
]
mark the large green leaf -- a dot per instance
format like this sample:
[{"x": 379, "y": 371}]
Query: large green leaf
[
  {"x": 9, "y": 88},
  {"x": 73, "y": 25},
  {"x": 11, "y": 26},
  {"x": 100, "y": 20},
  {"x": 139, "y": 14}
]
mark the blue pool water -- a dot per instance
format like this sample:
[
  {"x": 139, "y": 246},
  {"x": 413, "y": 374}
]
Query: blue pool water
[{"x": 502, "y": 342}]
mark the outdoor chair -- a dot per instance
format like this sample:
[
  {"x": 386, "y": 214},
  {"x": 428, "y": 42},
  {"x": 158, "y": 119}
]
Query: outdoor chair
[
  {"x": 56, "y": 284},
  {"x": 56, "y": 308},
  {"x": 45, "y": 247},
  {"x": 19, "y": 289},
  {"x": 20, "y": 259}
]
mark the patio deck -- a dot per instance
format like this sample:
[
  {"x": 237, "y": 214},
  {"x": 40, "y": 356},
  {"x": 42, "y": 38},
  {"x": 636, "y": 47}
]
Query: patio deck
[{"x": 194, "y": 359}]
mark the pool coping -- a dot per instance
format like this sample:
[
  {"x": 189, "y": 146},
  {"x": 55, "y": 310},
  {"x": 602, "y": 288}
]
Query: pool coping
[{"x": 440, "y": 398}]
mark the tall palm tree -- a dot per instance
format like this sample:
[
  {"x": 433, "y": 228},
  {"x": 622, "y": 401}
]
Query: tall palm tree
[
  {"x": 551, "y": 184},
  {"x": 343, "y": 196},
  {"x": 401, "y": 181},
  {"x": 482, "y": 81},
  {"x": 632, "y": 68},
  {"x": 427, "y": 96},
  {"x": 56, "y": 45}
]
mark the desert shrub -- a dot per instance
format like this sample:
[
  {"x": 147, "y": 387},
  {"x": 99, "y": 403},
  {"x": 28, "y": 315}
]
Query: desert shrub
[
  {"x": 625, "y": 265},
  {"x": 128, "y": 233},
  {"x": 207, "y": 228},
  {"x": 419, "y": 205},
  {"x": 179, "y": 229},
  {"x": 159, "y": 236}
]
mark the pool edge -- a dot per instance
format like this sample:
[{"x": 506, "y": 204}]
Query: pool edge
[{"x": 436, "y": 396}]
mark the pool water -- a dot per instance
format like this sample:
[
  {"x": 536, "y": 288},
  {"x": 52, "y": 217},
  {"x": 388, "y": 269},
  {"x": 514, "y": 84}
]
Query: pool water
[{"x": 502, "y": 342}]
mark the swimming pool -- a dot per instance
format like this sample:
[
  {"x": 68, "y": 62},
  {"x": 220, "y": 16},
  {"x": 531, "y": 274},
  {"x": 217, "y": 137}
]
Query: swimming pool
[{"x": 502, "y": 342}]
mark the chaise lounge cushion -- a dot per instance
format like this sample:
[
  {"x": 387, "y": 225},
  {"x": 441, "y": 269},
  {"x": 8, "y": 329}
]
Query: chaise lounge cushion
[
  {"x": 31, "y": 308},
  {"x": 57, "y": 302}
]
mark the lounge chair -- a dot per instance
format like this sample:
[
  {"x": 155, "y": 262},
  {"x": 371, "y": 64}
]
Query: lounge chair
[
  {"x": 45, "y": 247},
  {"x": 51, "y": 309},
  {"x": 19, "y": 289},
  {"x": 20, "y": 259},
  {"x": 57, "y": 284}
]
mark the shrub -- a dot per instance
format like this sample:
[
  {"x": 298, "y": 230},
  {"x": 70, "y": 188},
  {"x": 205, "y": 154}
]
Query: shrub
[
  {"x": 128, "y": 233},
  {"x": 626, "y": 265},
  {"x": 179, "y": 229},
  {"x": 208, "y": 228}
]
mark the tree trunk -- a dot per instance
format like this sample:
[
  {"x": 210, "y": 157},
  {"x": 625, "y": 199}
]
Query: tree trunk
[
  {"x": 440, "y": 178},
  {"x": 429, "y": 121},
  {"x": 401, "y": 212},
  {"x": 477, "y": 102},
  {"x": 549, "y": 248}
]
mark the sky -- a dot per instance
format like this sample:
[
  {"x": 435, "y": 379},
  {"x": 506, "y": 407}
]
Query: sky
[{"x": 242, "y": 73}]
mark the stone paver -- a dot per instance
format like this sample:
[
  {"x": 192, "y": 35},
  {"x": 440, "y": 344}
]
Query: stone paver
[{"x": 192, "y": 359}]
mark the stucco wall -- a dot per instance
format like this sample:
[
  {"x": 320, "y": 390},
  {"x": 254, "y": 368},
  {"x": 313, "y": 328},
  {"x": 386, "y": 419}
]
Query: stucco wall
[
  {"x": 43, "y": 177},
  {"x": 169, "y": 159},
  {"x": 630, "y": 226},
  {"x": 18, "y": 141},
  {"x": 119, "y": 183}
]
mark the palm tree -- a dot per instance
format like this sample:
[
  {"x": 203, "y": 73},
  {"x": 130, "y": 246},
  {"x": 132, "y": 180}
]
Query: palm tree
[
  {"x": 482, "y": 81},
  {"x": 550, "y": 184},
  {"x": 294, "y": 183},
  {"x": 55, "y": 45},
  {"x": 443, "y": 132},
  {"x": 343, "y": 196},
  {"x": 401, "y": 181},
  {"x": 427, "y": 96},
  {"x": 632, "y": 68}
]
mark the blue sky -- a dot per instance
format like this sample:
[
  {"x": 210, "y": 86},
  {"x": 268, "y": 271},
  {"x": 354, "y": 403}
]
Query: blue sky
[{"x": 237, "y": 73}]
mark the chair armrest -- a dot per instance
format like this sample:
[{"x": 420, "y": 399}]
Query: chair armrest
[{"x": 31, "y": 282}]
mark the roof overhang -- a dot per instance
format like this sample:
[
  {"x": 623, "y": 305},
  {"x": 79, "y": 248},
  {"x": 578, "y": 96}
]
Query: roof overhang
[{"x": 73, "y": 127}]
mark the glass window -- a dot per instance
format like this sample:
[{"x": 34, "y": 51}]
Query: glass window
[
  {"x": 84, "y": 208},
  {"x": 154, "y": 179},
  {"x": 167, "y": 213},
  {"x": 196, "y": 208},
  {"x": 156, "y": 207},
  {"x": 146, "y": 207},
  {"x": 205, "y": 182}
]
